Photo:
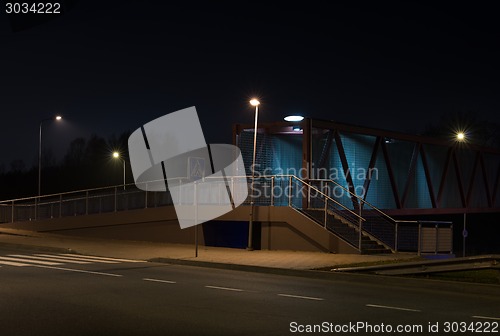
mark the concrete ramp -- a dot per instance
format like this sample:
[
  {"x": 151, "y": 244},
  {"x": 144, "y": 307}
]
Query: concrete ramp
[{"x": 280, "y": 228}]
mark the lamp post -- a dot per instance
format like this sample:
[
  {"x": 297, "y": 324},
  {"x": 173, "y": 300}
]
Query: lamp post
[
  {"x": 57, "y": 118},
  {"x": 460, "y": 137},
  {"x": 116, "y": 155},
  {"x": 256, "y": 103}
]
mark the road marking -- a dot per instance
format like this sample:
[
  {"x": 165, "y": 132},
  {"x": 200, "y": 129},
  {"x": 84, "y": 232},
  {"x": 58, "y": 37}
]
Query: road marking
[
  {"x": 394, "y": 308},
  {"x": 29, "y": 261},
  {"x": 11, "y": 263},
  {"x": 486, "y": 318},
  {"x": 90, "y": 260},
  {"x": 302, "y": 297},
  {"x": 104, "y": 258},
  {"x": 226, "y": 288},
  {"x": 79, "y": 271},
  {"x": 158, "y": 280},
  {"x": 67, "y": 259},
  {"x": 48, "y": 257}
]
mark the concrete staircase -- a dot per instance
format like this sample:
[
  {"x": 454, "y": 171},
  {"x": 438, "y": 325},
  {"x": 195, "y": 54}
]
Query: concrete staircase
[{"x": 347, "y": 232}]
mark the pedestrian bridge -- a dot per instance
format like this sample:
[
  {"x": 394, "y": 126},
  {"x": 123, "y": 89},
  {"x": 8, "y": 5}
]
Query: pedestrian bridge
[
  {"x": 403, "y": 174},
  {"x": 290, "y": 213}
]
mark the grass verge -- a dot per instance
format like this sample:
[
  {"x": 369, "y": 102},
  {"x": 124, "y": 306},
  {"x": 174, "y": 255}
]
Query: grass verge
[
  {"x": 370, "y": 263},
  {"x": 487, "y": 276}
]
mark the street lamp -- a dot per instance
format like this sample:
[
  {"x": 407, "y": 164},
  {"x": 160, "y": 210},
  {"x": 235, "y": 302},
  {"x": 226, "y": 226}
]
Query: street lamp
[
  {"x": 256, "y": 103},
  {"x": 57, "y": 118},
  {"x": 116, "y": 155},
  {"x": 295, "y": 118},
  {"x": 461, "y": 136}
]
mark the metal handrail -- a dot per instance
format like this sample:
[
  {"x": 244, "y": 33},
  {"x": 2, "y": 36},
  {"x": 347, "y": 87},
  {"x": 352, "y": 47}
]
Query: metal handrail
[
  {"x": 358, "y": 197},
  {"x": 328, "y": 197},
  {"x": 112, "y": 198},
  {"x": 38, "y": 200},
  {"x": 39, "y": 203}
]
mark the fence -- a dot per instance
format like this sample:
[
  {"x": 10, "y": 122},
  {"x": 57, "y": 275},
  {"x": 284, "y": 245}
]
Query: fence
[{"x": 328, "y": 203}]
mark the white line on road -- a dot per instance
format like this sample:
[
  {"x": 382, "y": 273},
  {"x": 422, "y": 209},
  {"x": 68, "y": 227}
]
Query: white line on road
[
  {"x": 48, "y": 258},
  {"x": 11, "y": 263},
  {"x": 67, "y": 259},
  {"x": 79, "y": 271},
  {"x": 29, "y": 261},
  {"x": 302, "y": 297},
  {"x": 394, "y": 308},
  {"x": 78, "y": 257},
  {"x": 90, "y": 260},
  {"x": 226, "y": 288},
  {"x": 158, "y": 280},
  {"x": 103, "y": 258},
  {"x": 486, "y": 318}
]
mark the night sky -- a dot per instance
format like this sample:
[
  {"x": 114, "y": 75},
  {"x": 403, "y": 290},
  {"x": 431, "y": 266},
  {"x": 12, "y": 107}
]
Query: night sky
[{"x": 111, "y": 66}]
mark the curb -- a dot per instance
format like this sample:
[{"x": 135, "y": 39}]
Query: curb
[
  {"x": 249, "y": 268},
  {"x": 37, "y": 248},
  {"x": 428, "y": 266},
  {"x": 380, "y": 280}
]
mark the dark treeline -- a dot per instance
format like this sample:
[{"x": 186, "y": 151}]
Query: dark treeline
[{"x": 87, "y": 164}]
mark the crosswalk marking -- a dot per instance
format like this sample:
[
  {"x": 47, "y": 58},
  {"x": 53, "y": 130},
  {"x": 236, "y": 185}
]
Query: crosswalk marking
[
  {"x": 12, "y": 263},
  {"x": 48, "y": 258},
  {"x": 103, "y": 258},
  {"x": 67, "y": 259},
  {"x": 23, "y": 260},
  {"x": 76, "y": 257},
  {"x": 79, "y": 271}
]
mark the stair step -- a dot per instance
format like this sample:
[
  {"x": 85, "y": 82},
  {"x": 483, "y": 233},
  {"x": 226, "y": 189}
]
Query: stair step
[
  {"x": 381, "y": 250},
  {"x": 347, "y": 232}
]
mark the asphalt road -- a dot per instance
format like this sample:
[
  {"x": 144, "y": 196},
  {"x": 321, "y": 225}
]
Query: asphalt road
[{"x": 88, "y": 296}]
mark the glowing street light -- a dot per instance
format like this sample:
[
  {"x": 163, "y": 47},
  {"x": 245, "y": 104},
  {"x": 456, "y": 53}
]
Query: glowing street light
[
  {"x": 294, "y": 118},
  {"x": 460, "y": 136},
  {"x": 57, "y": 118},
  {"x": 256, "y": 103},
  {"x": 116, "y": 155}
]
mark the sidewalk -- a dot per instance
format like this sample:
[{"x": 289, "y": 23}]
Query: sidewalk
[{"x": 146, "y": 251}]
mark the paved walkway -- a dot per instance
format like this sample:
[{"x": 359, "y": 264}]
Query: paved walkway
[{"x": 145, "y": 251}]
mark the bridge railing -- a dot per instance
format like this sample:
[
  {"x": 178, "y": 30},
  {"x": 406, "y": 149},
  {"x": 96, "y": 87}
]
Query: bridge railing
[
  {"x": 81, "y": 202},
  {"x": 276, "y": 190},
  {"x": 376, "y": 224},
  {"x": 116, "y": 198},
  {"x": 289, "y": 190},
  {"x": 320, "y": 199}
]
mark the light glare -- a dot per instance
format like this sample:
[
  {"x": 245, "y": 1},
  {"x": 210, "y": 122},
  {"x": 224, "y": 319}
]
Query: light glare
[
  {"x": 294, "y": 118},
  {"x": 116, "y": 154},
  {"x": 460, "y": 136},
  {"x": 254, "y": 102},
  {"x": 58, "y": 117}
]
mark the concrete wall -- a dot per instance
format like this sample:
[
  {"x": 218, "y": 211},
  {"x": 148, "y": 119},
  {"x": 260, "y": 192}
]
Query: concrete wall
[
  {"x": 284, "y": 228},
  {"x": 153, "y": 224},
  {"x": 281, "y": 228}
]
